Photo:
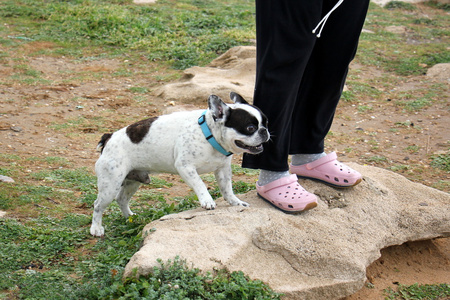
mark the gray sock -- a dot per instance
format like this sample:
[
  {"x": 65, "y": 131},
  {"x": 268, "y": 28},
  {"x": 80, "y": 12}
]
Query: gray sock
[
  {"x": 266, "y": 176},
  {"x": 301, "y": 159}
]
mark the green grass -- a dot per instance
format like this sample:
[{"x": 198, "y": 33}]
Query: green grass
[
  {"x": 53, "y": 256},
  {"x": 441, "y": 161},
  {"x": 27, "y": 75},
  {"x": 138, "y": 90},
  {"x": 399, "y": 5},
  {"x": 397, "y": 53},
  {"x": 377, "y": 159},
  {"x": 400, "y": 168},
  {"x": 438, "y": 5},
  {"x": 175, "y": 280},
  {"x": 419, "y": 292},
  {"x": 181, "y": 33}
]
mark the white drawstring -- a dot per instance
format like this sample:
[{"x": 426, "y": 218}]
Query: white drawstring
[{"x": 325, "y": 18}]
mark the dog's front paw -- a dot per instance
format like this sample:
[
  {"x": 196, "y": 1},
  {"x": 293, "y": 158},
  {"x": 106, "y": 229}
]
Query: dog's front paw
[
  {"x": 97, "y": 230},
  {"x": 210, "y": 204},
  {"x": 245, "y": 204},
  {"x": 235, "y": 201},
  {"x": 240, "y": 203}
]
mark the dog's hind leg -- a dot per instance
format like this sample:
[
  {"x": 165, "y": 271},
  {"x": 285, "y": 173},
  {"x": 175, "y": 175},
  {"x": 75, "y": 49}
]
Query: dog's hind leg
[{"x": 129, "y": 187}]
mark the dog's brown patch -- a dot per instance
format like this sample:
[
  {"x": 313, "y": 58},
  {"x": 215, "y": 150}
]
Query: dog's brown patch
[
  {"x": 105, "y": 138},
  {"x": 137, "y": 131}
]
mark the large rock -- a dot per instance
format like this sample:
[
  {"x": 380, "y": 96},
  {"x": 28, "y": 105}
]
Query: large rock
[
  {"x": 440, "y": 72},
  {"x": 319, "y": 254},
  {"x": 233, "y": 71}
]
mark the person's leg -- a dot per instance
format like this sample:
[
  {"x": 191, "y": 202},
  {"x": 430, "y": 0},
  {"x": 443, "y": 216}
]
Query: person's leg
[
  {"x": 284, "y": 45},
  {"x": 324, "y": 77},
  {"x": 319, "y": 93}
]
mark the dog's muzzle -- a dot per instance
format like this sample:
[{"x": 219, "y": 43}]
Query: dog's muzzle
[{"x": 251, "y": 149}]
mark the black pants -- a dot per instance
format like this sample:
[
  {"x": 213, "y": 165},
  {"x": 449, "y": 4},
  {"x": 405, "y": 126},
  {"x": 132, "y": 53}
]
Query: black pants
[{"x": 299, "y": 77}]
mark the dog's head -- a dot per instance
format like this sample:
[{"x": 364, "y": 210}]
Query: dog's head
[{"x": 239, "y": 127}]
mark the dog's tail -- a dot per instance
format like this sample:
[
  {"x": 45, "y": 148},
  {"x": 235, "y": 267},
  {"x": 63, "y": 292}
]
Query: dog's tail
[{"x": 101, "y": 145}]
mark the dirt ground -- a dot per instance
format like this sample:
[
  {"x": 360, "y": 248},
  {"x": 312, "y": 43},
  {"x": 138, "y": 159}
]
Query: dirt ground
[
  {"x": 421, "y": 262},
  {"x": 70, "y": 103}
]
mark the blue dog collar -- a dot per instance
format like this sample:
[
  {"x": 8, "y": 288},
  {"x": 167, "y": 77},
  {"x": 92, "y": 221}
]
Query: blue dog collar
[{"x": 209, "y": 137}]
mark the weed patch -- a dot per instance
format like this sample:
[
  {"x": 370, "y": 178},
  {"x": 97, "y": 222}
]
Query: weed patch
[
  {"x": 441, "y": 161},
  {"x": 175, "y": 280},
  {"x": 418, "y": 292},
  {"x": 399, "y": 5}
]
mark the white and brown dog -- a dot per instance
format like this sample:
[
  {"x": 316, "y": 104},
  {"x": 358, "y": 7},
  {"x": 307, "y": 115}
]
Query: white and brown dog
[{"x": 186, "y": 143}]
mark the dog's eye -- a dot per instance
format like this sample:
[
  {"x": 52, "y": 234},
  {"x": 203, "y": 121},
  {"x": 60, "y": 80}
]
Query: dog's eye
[{"x": 251, "y": 128}]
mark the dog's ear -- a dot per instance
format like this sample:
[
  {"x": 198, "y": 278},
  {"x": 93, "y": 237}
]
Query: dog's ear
[
  {"x": 218, "y": 108},
  {"x": 237, "y": 98}
]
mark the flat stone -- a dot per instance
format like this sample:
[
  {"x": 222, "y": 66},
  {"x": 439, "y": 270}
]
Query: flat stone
[
  {"x": 319, "y": 254},
  {"x": 233, "y": 71}
]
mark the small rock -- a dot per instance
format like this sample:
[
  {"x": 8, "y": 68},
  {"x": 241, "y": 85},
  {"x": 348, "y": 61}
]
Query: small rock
[
  {"x": 396, "y": 29},
  {"x": 6, "y": 179},
  {"x": 16, "y": 128},
  {"x": 367, "y": 31},
  {"x": 144, "y": 1}
]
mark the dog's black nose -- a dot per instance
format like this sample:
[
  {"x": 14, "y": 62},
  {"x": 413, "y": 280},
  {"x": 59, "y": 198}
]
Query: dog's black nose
[{"x": 263, "y": 133}]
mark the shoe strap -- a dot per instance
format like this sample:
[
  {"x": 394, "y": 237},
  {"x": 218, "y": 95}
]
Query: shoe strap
[
  {"x": 323, "y": 160},
  {"x": 278, "y": 183}
]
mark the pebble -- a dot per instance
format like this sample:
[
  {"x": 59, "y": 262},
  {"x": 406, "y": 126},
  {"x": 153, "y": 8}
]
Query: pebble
[
  {"x": 6, "y": 179},
  {"x": 16, "y": 128}
]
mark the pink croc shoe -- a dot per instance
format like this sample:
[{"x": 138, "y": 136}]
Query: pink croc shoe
[
  {"x": 287, "y": 195},
  {"x": 328, "y": 170}
]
